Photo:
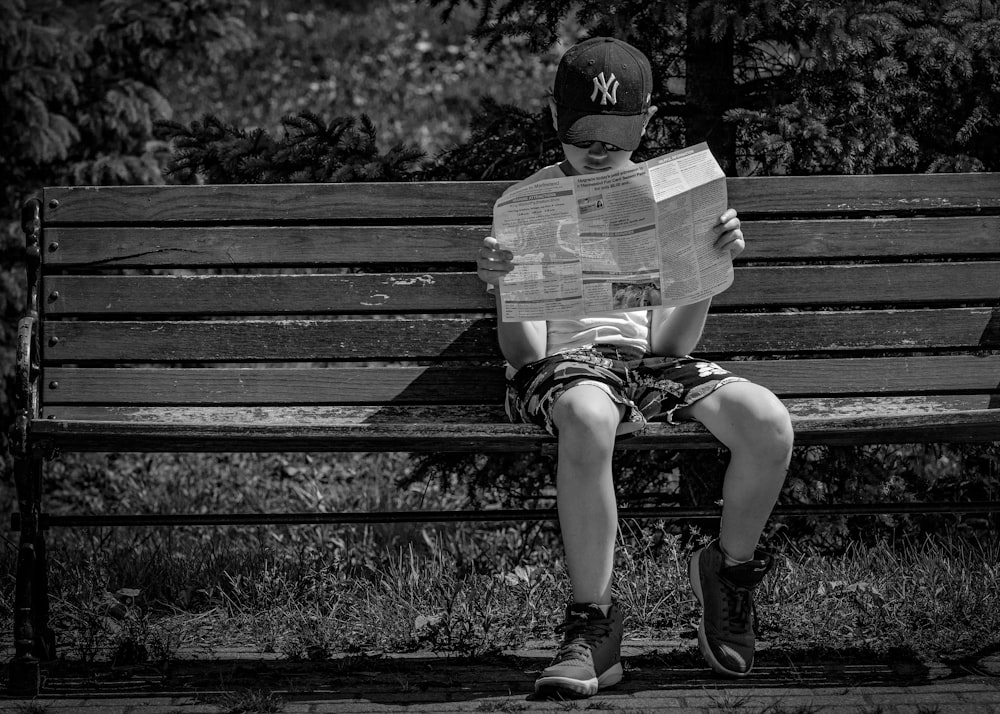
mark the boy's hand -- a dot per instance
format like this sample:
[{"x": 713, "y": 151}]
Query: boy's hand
[
  {"x": 492, "y": 263},
  {"x": 730, "y": 235}
]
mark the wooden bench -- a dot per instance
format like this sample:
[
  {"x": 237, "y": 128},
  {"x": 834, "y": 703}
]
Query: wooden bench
[{"x": 348, "y": 317}]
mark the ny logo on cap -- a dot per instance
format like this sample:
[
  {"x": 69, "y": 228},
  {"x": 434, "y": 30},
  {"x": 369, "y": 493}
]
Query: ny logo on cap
[{"x": 607, "y": 88}]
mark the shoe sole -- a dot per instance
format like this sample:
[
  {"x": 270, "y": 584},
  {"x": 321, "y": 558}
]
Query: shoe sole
[
  {"x": 694, "y": 575},
  {"x": 580, "y": 687}
]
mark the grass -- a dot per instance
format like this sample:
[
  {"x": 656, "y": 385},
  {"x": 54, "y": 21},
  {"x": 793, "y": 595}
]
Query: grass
[
  {"x": 929, "y": 597},
  {"x": 148, "y": 595}
]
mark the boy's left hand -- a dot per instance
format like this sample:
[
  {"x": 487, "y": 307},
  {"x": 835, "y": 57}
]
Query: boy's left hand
[{"x": 730, "y": 235}]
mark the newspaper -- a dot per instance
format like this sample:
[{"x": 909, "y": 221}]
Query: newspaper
[{"x": 634, "y": 239}]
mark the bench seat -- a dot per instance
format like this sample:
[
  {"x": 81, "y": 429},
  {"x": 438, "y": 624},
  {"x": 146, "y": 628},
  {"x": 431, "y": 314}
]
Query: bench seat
[{"x": 962, "y": 418}]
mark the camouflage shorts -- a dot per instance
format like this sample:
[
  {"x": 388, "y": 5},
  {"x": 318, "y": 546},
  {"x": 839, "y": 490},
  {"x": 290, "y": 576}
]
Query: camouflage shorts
[{"x": 648, "y": 387}]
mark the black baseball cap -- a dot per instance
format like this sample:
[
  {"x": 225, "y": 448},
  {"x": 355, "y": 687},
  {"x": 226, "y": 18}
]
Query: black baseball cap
[{"x": 602, "y": 92}]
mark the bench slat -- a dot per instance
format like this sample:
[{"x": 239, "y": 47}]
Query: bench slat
[
  {"x": 469, "y": 385},
  {"x": 241, "y": 246},
  {"x": 475, "y": 338},
  {"x": 312, "y": 246},
  {"x": 268, "y": 294},
  {"x": 366, "y": 202},
  {"x": 243, "y": 204},
  {"x": 868, "y": 239},
  {"x": 895, "y": 284},
  {"x": 811, "y": 408},
  {"x": 286, "y": 340},
  {"x": 899, "y": 194},
  {"x": 480, "y": 437}
]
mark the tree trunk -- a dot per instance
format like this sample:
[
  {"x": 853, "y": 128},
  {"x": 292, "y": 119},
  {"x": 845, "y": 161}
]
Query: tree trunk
[{"x": 710, "y": 87}]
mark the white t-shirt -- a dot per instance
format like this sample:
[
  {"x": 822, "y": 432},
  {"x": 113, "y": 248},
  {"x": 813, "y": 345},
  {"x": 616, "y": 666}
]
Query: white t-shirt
[{"x": 629, "y": 328}]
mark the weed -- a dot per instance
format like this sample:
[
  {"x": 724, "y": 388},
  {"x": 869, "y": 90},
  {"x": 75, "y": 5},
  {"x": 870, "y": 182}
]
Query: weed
[
  {"x": 728, "y": 702},
  {"x": 652, "y": 582},
  {"x": 249, "y": 701},
  {"x": 507, "y": 705}
]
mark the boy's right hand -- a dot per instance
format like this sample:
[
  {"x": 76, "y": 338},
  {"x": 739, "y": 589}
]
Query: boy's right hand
[{"x": 493, "y": 263}]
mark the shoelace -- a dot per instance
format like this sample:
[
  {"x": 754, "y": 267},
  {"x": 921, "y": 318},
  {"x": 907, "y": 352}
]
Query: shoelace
[
  {"x": 739, "y": 607},
  {"x": 582, "y": 633}
]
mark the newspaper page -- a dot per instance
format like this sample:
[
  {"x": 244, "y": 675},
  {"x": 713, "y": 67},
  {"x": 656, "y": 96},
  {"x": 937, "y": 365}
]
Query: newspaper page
[{"x": 633, "y": 239}]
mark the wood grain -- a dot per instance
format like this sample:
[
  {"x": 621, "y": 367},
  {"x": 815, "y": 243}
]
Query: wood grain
[
  {"x": 800, "y": 408},
  {"x": 480, "y": 437},
  {"x": 407, "y": 293},
  {"x": 464, "y": 201},
  {"x": 324, "y": 246},
  {"x": 296, "y": 340},
  {"x": 448, "y": 384}
]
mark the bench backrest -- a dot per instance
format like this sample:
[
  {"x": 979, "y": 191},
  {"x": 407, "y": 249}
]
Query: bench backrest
[{"x": 269, "y": 299}]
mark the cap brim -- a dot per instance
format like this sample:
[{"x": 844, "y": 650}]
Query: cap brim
[{"x": 624, "y": 131}]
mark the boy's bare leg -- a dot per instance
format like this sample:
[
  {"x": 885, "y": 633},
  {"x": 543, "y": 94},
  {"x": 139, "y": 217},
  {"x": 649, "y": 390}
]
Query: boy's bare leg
[
  {"x": 754, "y": 425},
  {"x": 588, "y": 512},
  {"x": 589, "y": 657}
]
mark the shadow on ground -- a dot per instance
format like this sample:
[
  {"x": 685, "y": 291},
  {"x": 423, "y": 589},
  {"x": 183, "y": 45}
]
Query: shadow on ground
[{"x": 428, "y": 677}]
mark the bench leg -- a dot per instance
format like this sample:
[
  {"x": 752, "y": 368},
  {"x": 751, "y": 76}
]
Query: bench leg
[{"x": 34, "y": 641}]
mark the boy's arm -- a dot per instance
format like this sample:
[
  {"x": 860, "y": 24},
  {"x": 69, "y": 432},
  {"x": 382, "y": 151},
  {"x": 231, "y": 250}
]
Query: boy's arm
[
  {"x": 675, "y": 332},
  {"x": 520, "y": 342}
]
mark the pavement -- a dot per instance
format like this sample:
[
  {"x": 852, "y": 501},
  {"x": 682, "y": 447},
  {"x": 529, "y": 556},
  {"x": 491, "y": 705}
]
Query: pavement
[{"x": 659, "y": 677}]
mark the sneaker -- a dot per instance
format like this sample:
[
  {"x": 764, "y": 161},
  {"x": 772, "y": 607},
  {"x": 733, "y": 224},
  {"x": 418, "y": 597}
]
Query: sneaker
[
  {"x": 726, "y": 632},
  {"x": 589, "y": 657}
]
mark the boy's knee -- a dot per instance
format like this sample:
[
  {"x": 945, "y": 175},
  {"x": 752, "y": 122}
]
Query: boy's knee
[
  {"x": 757, "y": 423},
  {"x": 586, "y": 413},
  {"x": 777, "y": 424},
  {"x": 769, "y": 430}
]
